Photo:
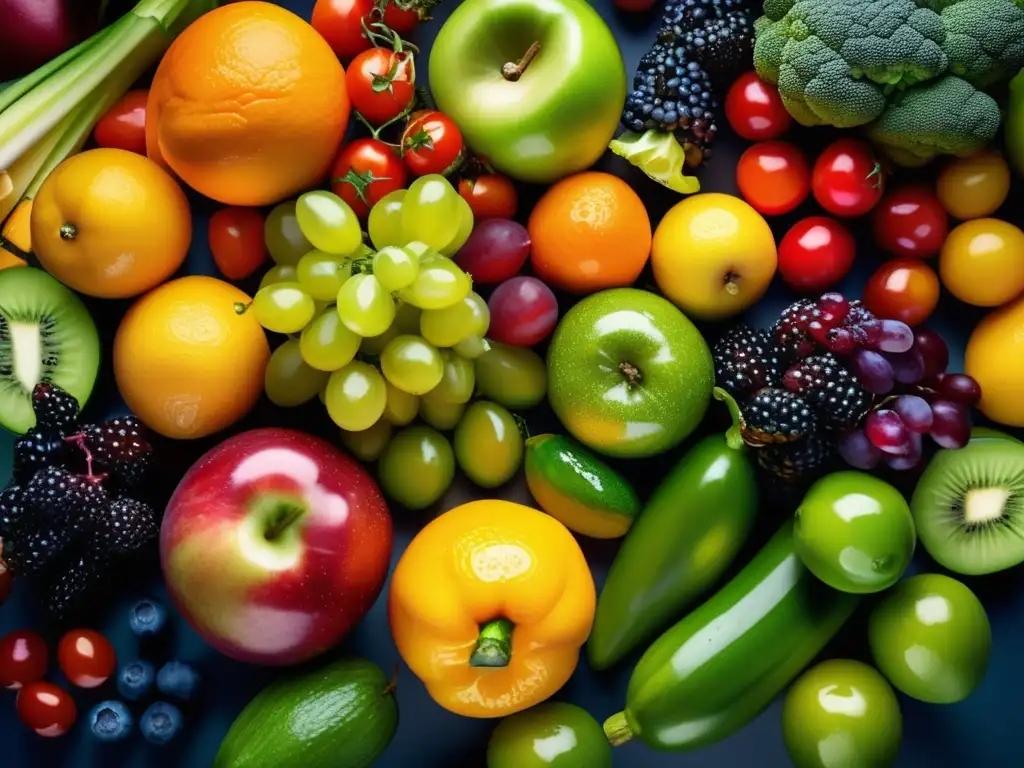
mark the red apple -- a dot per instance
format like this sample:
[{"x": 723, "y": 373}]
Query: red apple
[
  {"x": 274, "y": 545},
  {"x": 35, "y": 31}
]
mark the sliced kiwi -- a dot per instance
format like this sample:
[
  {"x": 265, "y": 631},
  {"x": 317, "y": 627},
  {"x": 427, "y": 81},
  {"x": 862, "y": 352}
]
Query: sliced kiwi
[
  {"x": 969, "y": 506},
  {"x": 46, "y": 334}
]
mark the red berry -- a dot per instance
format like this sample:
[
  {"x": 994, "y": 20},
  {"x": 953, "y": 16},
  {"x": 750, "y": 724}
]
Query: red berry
[
  {"x": 816, "y": 254},
  {"x": 911, "y": 222},
  {"x": 46, "y": 709},
  {"x": 23, "y": 659},
  {"x": 6, "y": 582},
  {"x": 86, "y": 657},
  {"x": 755, "y": 109}
]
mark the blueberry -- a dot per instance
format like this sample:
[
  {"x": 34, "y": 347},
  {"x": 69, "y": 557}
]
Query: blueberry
[
  {"x": 160, "y": 723},
  {"x": 147, "y": 618},
  {"x": 135, "y": 679},
  {"x": 110, "y": 721},
  {"x": 177, "y": 679}
]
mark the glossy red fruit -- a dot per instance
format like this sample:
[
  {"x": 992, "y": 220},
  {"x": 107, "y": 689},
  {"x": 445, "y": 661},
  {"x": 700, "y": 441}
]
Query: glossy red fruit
[
  {"x": 490, "y": 196},
  {"x": 340, "y": 23},
  {"x": 23, "y": 659},
  {"x": 635, "y": 6},
  {"x": 380, "y": 84},
  {"x": 431, "y": 143},
  {"x": 237, "y": 241},
  {"x": 401, "y": 20},
  {"x": 755, "y": 110},
  {"x": 46, "y": 709},
  {"x": 6, "y": 582},
  {"x": 903, "y": 289},
  {"x": 366, "y": 170},
  {"x": 911, "y": 222},
  {"x": 848, "y": 180},
  {"x": 86, "y": 657},
  {"x": 774, "y": 177},
  {"x": 35, "y": 31},
  {"x": 124, "y": 125},
  {"x": 816, "y": 254}
]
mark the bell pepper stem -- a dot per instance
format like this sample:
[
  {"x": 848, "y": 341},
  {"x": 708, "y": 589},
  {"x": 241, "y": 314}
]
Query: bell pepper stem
[
  {"x": 733, "y": 435},
  {"x": 493, "y": 645},
  {"x": 617, "y": 729}
]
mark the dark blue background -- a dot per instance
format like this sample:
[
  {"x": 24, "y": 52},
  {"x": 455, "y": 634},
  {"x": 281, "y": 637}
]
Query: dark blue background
[{"x": 982, "y": 731}]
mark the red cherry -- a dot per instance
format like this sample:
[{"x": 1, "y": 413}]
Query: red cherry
[
  {"x": 86, "y": 657},
  {"x": 23, "y": 659},
  {"x": 816, "y": 254},
  {"x": 46, "y": 709},
  {"x": 6, "y": 582}
]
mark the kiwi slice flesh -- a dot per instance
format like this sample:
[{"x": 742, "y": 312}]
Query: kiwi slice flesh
[
  {"x": 969, "y": 506},
  {"x": 46, "y": 334}
]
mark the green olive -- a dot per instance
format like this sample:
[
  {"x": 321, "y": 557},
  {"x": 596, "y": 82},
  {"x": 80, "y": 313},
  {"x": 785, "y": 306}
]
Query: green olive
[
  {"x": 488, "y": 444},
  {"x": 417, "y": 467},
  {"x": 931, "y": 637},
  {"x": 550, "y": 735},
  {"x": 842, "y": 714}
]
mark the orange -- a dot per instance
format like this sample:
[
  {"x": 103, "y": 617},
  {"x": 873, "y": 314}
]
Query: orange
[
  {"x": 590, "y": 231},
  {"x": 110, "y": 223},
  {"x": 995, "y": 358},
  {"x": 186, "y": 362},
  {"x": 248, "y": 106}
]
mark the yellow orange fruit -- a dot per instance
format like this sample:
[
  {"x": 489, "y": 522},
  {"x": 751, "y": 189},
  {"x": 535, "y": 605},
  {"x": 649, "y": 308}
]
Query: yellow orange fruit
[
  {"x": 590, "y": 232},
  {"x": 187, "y": 362},
  {"x": 248, "y": 106},
  {"x": 111, "y": 224},
  {"x": 982, "y": 262},
  {"x": 995, "y": 358}
]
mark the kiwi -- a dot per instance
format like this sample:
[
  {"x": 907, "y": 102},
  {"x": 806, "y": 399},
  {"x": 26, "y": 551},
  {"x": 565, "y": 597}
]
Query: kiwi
[
  {"x": 46, "y": 334},
  {"x": 969, "y": 506},
  {"x": 979, "y": 433}
]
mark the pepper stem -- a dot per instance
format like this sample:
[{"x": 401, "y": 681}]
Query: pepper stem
[
  {"x": 493, "y": 645},
  {"x": 512, "y": 70},
  {"x": 617, "y": 729},
  {"x": 734, "y": 434}
]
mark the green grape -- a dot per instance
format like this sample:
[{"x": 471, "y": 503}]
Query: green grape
[
  {"x": 438, "y": 284},
  {"x": 447, "y": 327},
  {"x": 282, "y": 273},
  {"x": 356, "y": 396},
  {"x": 368, "y": 444},
  {"x": 440, "y": 414},
  {"x": 364, "y": 306},
  {"x": 385, "y": 222},
  {"x": 402, "y": 407},
  {"x": 488, "y": 444},
  {"x": 328, "y": 222},
  {"x": 374, "y": 345},
  {"x": 431, "y": 211},
  {"x": 322, "y": 275},
  {"x": 285, "y": 240},
  {"x": 420, "y": 250},
  {"x": 465, "y": 229},
  {"x": 283, "y": 307},
  {"x": 513, "y": 376},
  {"x": 327, "y": 344},
  {"x": 411, "y": 364},
  {"x": 407, "y": 318},
  {"x": 472, "y": 347},
  {"x": 457, "y": 380},
  {"x": 395, "y": 267},
  {"x": 417, "y": 467},
  {"x": 288, "y": 380}
]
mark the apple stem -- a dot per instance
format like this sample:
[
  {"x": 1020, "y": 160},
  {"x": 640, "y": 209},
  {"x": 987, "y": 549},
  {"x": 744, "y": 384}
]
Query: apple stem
[
  {"x": 631, "y": 372},
  {"x": 293, "y": 513},
  {"x": 494, "y": 645},
  {"x": 512, "y": 71},
  {"x": 392, "y": 685},
  {"x": 732, "y": 285}
]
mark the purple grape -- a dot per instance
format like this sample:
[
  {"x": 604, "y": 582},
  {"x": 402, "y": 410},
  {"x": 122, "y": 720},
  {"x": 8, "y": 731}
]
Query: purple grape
[
  {"x": 857, "y": 450},
  {"x": 912, "y": 458},
  {"x": 907, "y": 367},
  {"x": 915, "y": 412},
  {"x": 873, "y": 370},
  {"x": 868, "y": 333},
  {"x": 951, "y": 427},
  {"x": 887, "y": 432},
  {"x": 840, "y": 341},
  {"x": 960, "y": 388},
  {"x": 896, "y": 336},
  {"x": 817, "y": 331},
  {"x": 834, "y": 309},
  {"x": 934, "y": 351},
  {"x": 496, "y": 251}
]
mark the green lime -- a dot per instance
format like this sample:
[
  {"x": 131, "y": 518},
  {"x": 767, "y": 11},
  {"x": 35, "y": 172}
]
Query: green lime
[{"x": 550, "y": 735}]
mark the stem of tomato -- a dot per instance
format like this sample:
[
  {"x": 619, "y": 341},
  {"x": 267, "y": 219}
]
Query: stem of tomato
[{"x": 493, "y": 645}]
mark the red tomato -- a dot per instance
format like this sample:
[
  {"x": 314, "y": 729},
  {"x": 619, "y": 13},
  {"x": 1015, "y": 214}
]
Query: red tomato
[
  {"x": 431, "y": 143},
  {"x": 816, "y": 254},
  {"x": 124, "y": 125},
  {"x": 755, "y": 109},
  {"x": 340, "y": 23},
  {"x": 365, "y": 171},
  {"x": 237, "y": 241},
  {"x": 46, "y": 709},
  {"x": 848, "y": 181},
  {"x": 911, "y": 222},
  {"x": 86, "y": 658},
  {"x": 380, "y": 84},
  {"x": 491, "y": 196},
  {"x": 23, "y": 659},
  {"x": 402, "y": 21},
  {"x": 903, "y": 289},
  {"x": 774, "y": 177}
]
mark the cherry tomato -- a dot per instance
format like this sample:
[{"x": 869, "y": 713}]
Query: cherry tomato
[
  {"x": 124, "y": 124},
  {"x": 46, "y": 709},
  {"x": 848, "y": 181},
  {"x": 380, "y": 84},
  {"x": 86, "y": 657},
  {"x": 365, "y": 171},
  {"x": 903, "y": 289},
  {"x": 774, "y": 177},
  {"x": 911, "y": 222},
  {"x": 491, "y": 196},
  {"x": 237, "y": 241},
  {"x": 755, "y": 109},
  {"x": 974, "y": 187},
  {"x": 340, "y": 23},
  {"x": 431, "y": 143},
  {"x": 816, "y": 254},
  {"x": 402, "y": 21},
  {"x": 23, "y": 659}
]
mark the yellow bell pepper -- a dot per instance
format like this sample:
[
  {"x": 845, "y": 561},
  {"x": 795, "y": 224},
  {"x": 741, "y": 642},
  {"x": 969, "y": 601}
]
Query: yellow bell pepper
[{"x": 489, "y": 606}]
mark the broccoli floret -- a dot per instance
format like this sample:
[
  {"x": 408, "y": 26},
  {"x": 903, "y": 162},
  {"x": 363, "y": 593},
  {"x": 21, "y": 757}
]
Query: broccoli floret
[
  {"x": 984, "y": 40},
  {"x": 945, "y": 117}
]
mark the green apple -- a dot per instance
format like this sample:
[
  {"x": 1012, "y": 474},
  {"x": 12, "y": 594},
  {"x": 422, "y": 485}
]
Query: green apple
[
  {"x": 535, "y": 87},
  {"x": 628, "y": 374}
]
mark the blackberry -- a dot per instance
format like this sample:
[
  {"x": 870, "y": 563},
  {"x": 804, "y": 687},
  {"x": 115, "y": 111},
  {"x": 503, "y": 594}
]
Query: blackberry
[
  {"x": 857, "y": 315},
  {"x": 54, "y": 408},
  {"x": 836, "y": 393},
  {"x": 745, "y": 361},
  {"x": 16, "y": 514},
  {"x": 723, "y": 47},
  {"x": 70, "y": 582},
  {"x": 37, "y": 449},
  {"x": 680, "y": 16},
  {"x": 790, "y": 330},
  {"x": 123, "y": 526},
  {"x": 34, "y": 550},
  {"x": 65, "y": 498},
  {"x": 777, "y": 416},
  {"x": 791, "y": 462},
  {"x": 120, "y": 447}
]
